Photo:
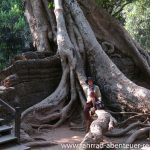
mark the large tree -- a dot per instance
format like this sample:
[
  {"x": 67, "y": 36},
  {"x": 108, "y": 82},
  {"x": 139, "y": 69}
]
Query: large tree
[{"x": 82, "y": 33}]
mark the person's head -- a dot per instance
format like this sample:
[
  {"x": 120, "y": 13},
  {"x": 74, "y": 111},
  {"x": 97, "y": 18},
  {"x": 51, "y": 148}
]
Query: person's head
[{"x": 90, "y": 81}]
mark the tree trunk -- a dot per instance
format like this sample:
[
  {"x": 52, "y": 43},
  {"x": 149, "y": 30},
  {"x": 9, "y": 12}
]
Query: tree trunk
[{"x": 80, "y": 49}]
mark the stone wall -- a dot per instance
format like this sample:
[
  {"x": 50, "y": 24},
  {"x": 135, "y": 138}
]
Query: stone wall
[{"x": 32, "y": 81}]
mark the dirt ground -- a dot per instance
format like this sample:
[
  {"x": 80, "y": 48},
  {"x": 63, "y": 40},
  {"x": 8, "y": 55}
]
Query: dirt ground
[{"x": 63, "y": 135}]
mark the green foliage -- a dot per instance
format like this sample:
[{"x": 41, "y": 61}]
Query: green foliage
[
  {"x": 133, "y": 14},
  {"x": 12, "y": 30},
  {"x": 51, "y": 5},
  {"x": 114, "y": 7},
  {"x": 137, "y": 16}
]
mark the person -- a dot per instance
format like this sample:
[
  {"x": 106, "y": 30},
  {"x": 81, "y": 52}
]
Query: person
[{"x": 93, "y": 95}]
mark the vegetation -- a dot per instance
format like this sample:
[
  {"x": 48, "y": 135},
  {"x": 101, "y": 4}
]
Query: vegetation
[
  {"x": 115, "y": 7},
  {"x": 13, "y": 30},
  {"x": 137, "y": 16},
  {"x": 134, "y": 15}
]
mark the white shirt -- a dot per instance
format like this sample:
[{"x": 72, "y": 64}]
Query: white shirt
[{"x": 96, "y": 90}]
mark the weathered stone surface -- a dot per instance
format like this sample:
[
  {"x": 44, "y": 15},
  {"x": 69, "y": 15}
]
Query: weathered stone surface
[{"x": 32, "y": 79}]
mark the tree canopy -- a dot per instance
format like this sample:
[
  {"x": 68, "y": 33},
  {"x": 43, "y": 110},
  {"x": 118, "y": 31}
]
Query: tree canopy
[
  {"x": 137, "y": 22},
  {"x": 13, "y": 30},
  {"x": 134, "y": 15},
  {"x": 115, "y": 7}
]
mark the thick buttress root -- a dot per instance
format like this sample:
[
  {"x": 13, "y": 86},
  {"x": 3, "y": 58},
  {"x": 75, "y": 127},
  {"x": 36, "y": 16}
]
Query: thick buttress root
[
  {"x": 137, "y": 134},
  {"x": 55, "y": 99},
  {"x": 133, "y": 118},
  {"x": 127, "y": 129},
  {"x": 64, "y": 112},
  {"x": 41, "y": 144},
  {"x": 98, "y": 127}
]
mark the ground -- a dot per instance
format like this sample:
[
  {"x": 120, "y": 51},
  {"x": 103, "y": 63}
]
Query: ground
[
  {"x": 63, "y": 135},
  {"x": 60, "y": 135}
]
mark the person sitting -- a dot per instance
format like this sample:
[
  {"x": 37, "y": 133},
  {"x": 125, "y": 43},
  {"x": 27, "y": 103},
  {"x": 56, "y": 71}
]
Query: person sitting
[{"x": 94, "y": 101}]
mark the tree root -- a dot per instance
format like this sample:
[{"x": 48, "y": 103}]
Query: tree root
[
  {"x": 65, "y": 113},
  {"x": 126, "y": 130},
  {"x": 137, "y": 134},
  {"x": 25, "y": 137},
  {"x": 133, "y": 118},
  {"x": 47, "y": 126},
  {"x": 48, "y": 118},
  {"x": 41, "y": 144},
  {"x": 53, "y": 100},
  {"x": 42, "y": 126},
  {"x": 98, "y": 127},
  {"x": 39, "y": 138},
  {"x": 77, "y": 128},
  {"x": 124, "y": 113}
]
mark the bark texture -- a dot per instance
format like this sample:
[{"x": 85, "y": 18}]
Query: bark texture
[{"x": 98, "y": 128}]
